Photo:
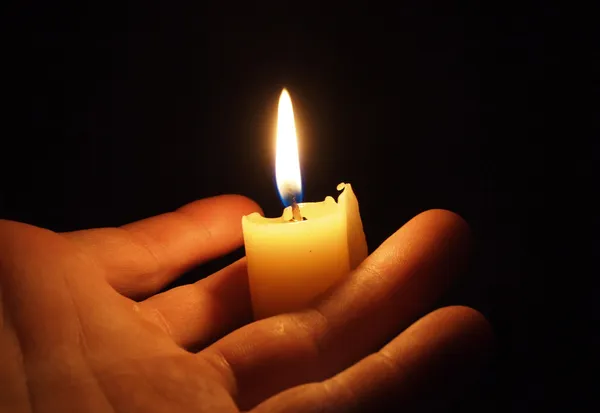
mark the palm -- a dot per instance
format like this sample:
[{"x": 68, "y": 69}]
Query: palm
[{"x": 89, "y": 334}]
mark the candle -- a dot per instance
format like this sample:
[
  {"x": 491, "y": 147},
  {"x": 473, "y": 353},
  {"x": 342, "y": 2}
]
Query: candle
[{"x": 296, "y": 257}]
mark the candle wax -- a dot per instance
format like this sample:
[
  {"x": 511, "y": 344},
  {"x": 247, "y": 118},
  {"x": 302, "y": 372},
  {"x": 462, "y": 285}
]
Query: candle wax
[{"x": 291, "y": 263}]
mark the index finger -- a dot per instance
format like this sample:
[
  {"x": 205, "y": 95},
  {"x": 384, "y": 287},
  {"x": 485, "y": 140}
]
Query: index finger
[{"x": 142, "y": 257}]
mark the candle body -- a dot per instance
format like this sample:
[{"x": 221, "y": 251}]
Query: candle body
[{"x": 291, "y": 263}]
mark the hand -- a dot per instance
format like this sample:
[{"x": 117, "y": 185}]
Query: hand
[{"x": 83, "y": 330}]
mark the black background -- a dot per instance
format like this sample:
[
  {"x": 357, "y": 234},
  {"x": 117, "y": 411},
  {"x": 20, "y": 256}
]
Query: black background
[{"x": 119, "y": 114}]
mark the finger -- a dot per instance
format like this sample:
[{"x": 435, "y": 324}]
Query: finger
[
  {"x": 422, "y": 368},
  {"x": 393, "y": 287},
  {"x": 197, "y": 314},
  {"x": 142, "y": 257}
]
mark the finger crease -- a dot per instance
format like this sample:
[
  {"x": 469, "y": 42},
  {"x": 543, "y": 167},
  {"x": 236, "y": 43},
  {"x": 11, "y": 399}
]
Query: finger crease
[
  {"x": 340, "y": 393},
  {"x": 217, "y": 360},
  {"x": 198, "y": 224},
  {"x": 162, "y": 321},
  {"x": 316, "y": 328},
  {"x": 388, "y": 362},
  {"x": 138, "y": 240}
]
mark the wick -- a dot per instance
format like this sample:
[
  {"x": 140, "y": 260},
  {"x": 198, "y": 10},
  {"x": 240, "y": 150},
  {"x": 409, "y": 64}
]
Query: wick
[{"x": 296, "y": 215}]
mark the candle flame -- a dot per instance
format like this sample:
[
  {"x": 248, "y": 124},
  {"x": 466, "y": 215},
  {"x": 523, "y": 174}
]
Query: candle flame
[{"x": 287, "y": 162}]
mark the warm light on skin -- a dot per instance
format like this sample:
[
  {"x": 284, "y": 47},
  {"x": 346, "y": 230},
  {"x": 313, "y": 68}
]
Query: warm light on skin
[{"x": 287, "y": 162}]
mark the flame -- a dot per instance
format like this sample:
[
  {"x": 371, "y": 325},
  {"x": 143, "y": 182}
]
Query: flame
[{"x": 287, "y": 162}]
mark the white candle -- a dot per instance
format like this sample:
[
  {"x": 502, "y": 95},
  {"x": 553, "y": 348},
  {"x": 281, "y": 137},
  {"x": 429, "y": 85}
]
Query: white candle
[{"x": 291, "y": 262}]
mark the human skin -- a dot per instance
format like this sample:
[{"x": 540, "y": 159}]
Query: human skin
[{"x": 84, "y": 329}]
